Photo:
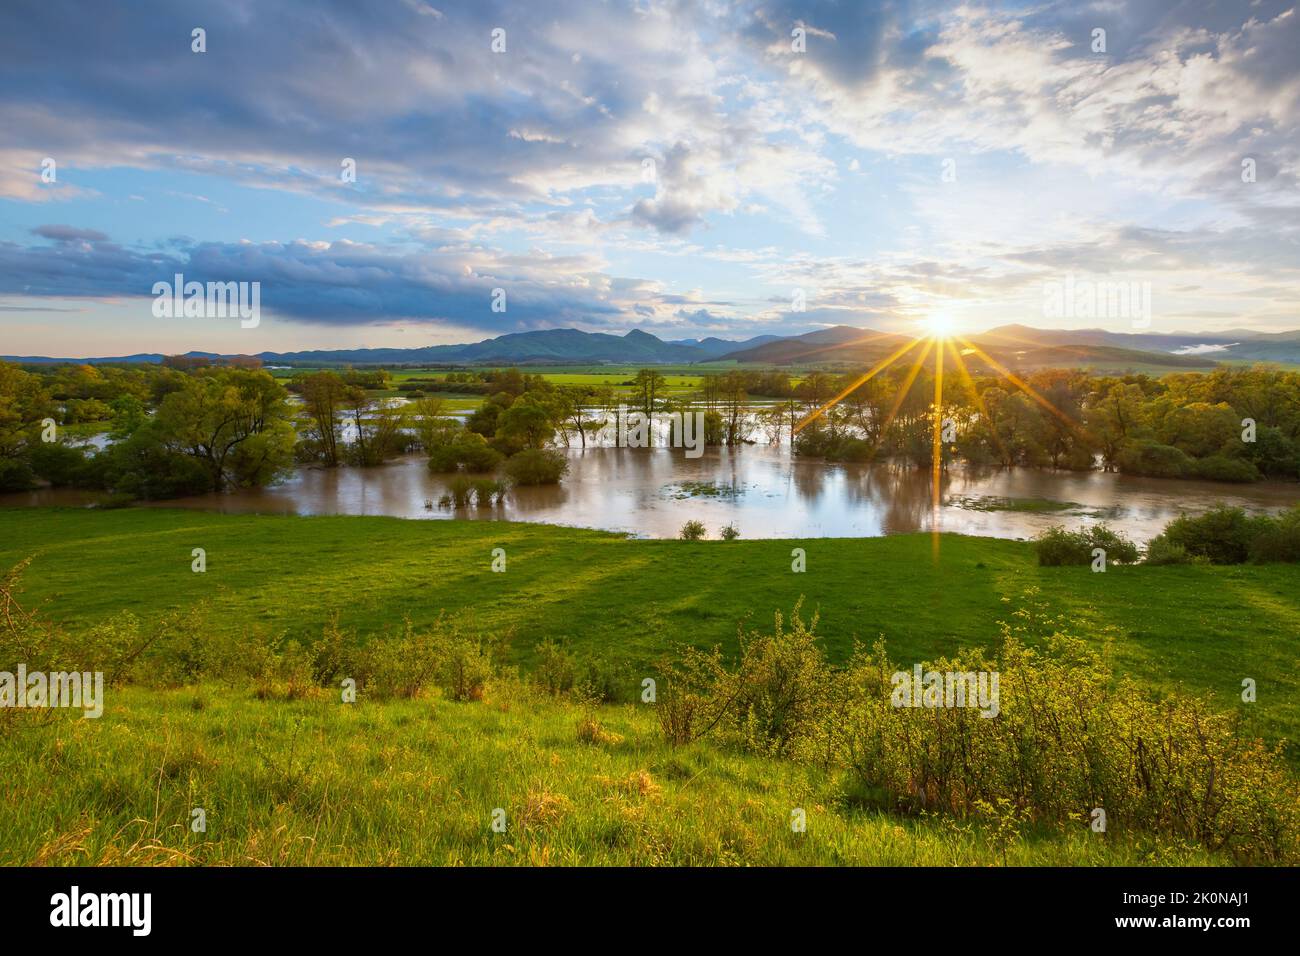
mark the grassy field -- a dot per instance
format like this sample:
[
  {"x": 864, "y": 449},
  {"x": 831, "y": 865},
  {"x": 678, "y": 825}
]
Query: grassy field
[
  {"x": 1201, "y": 628},
  {"x": 679, "y": 380},
  {"x": 415, "y": 782},
  {"x": 310, "y": 780}
]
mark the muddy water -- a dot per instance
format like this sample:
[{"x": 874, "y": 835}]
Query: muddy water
[{"x": 761, "y": 490}]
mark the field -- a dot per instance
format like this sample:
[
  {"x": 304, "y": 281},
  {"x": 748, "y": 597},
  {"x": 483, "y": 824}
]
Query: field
[
  {"x": 415, "y": 781},
  {"x": 679, "y": 380},
  {"x": 1203, "y": 628}
]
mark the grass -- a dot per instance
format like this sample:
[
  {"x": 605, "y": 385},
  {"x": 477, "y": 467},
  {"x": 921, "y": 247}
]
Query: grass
[
  {"x": 1203, "y": 629},
  {"x": 415, "y": 782},
  {"x": 1000, "y": 503}
]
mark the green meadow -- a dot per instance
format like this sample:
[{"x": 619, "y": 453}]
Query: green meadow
[
  {"x": 301, "y": 778},
  {"x": 1202, "y": 628},
  {"x": 415, "y": 782}
]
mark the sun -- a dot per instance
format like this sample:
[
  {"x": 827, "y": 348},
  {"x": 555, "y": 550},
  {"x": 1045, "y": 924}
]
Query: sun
[{"x": 938, "y": 326}]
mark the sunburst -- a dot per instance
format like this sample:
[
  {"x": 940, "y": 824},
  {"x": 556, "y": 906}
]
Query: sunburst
[{"x": 940, "y": 335}]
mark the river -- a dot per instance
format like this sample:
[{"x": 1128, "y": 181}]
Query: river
[{"x": 760, "y": 490}]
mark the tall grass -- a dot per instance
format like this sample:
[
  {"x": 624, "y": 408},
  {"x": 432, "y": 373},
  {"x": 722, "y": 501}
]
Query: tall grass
[{"x": 1069, "y": 738}]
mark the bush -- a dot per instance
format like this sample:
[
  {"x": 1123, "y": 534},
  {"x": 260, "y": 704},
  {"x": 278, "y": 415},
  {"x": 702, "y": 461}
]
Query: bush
[
  {"x": 16, "y": 475},
  {"x": 1223, "y": 468},
  {"x": 443, "y": 459},
  {"x": 466, "y": 449},
  {"x": 1057, "y": 547},
  {"x": 1160, "y": 550},
  {"x": 556, "y": 668},
  {"x": 61, "y": 465},
  {"x": 1222, "y": 535},
  {"x": 405, "y": 665},
  {"x": 602, "y": 680},
  {"x": 693, "y": 531},
  {"x": 778, "y": 688},
  {"x": 537, "y": 466},
  {"x": 1279, "y": 540},
  {"x": 729, "y": 532},
  {"x": 476, "y": 454},
  {"x": 1069, "y": 736},
  {"x": 1150, "y": 458}
]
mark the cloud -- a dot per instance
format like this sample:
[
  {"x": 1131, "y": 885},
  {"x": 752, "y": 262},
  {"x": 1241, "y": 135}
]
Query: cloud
[
  {"x": 69, "y": 234},
  {"x": 415, "y": 95}
]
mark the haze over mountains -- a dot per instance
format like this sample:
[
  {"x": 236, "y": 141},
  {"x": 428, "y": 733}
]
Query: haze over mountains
[{"x": 1017, "y": 345}]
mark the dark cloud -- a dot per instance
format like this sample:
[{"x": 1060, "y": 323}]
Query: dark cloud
[
  {"x": 69, "y": 234},
  {"x": 340, "y": 282}
]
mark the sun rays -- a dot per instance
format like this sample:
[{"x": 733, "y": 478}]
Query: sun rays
[{"x": 938, "y": 338}]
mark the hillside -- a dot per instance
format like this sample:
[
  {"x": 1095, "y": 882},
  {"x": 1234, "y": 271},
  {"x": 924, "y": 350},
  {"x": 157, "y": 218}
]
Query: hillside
[{"x": 1015, "y": 345}]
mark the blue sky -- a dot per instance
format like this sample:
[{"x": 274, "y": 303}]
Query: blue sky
[{"x": 677, "y": 167}]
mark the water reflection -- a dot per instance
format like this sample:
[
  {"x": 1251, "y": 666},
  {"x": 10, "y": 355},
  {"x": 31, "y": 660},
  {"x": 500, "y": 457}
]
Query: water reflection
[{"x": 762, "y": 490}]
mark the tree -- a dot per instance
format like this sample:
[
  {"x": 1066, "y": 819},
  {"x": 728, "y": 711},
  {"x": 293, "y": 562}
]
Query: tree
[
  {"x": 24, "y": 405},
  {"x": 649, "y": 383},
  {"x": 235, "y": 421},
  {"x": 1115, "y": 418},
  {"x": 734, "y": 400},
  {"x": 570, "y": 407},
  {"x": 323, "y": 394},
  {"x": 528, "y": 423},
  {"x": 377, "y": 426}
]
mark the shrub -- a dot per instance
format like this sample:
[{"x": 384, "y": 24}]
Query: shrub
[
  {"x": 61, "y": 465},
  {"x": 603, "y": 680},
  {"x": 1223, "y": 468},
  {"x": 1068, "y": 737},
  {"x": 443, "y": 458},
  {"x": 406, "y": 665},
  {"x": 778, "y": 688},
  {"x": 461, "y": 490},
  {"x": 556, "y": 667},
  {"x": 1223, "y": 535},
  {"x": 693, "y": 531},
  {"x": 537, "y": 466},
  {"x": 729, "y": 532},
  {"x": 466, "y": 667},
  {"x": 686, "y": 703},
  {"x": 450, "y": 451},
  {"x": 1150, "y": 458},
  {"x": 1279, "y": 540},
  {"x": 16, "y": 475},
  {"x": 1160, "y": 550},
  {"x": 1057, "y": 546},
  {"x": 476, "y": 454}
]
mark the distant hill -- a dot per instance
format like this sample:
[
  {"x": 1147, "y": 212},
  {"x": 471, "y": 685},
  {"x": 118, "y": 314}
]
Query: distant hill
[
  {"x": 840, "y": 343},
  {"x": 1018, "y": 346},
  {"x": 1013, "y": 346},
  {"x": 1238, "y": 344},
  {"x": 716, "y": 348}
]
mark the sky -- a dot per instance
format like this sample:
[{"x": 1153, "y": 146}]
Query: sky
[{"x": 690, "y": 169}]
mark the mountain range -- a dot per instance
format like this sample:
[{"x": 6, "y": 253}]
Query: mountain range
[{"x": 1018, "y": 346}]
